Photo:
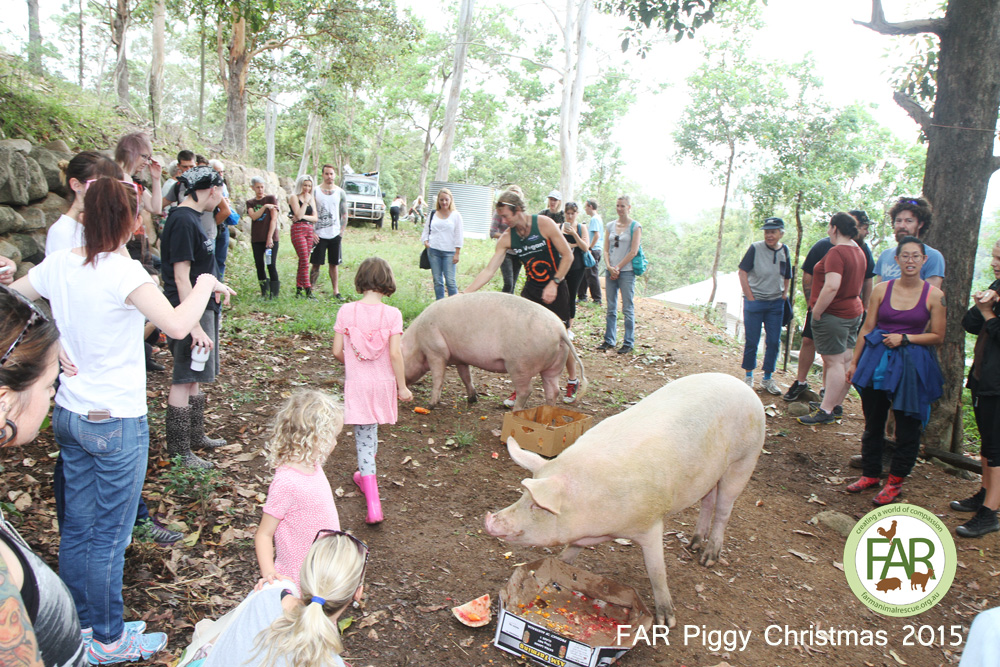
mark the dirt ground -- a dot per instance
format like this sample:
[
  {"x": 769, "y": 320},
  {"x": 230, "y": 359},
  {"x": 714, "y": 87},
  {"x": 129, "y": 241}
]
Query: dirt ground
[{"x": 441, "y": 472}]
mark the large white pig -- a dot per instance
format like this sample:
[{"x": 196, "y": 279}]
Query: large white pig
[
  {"x": 697, "y": 438},
  {"x": 497, "y": 332}
]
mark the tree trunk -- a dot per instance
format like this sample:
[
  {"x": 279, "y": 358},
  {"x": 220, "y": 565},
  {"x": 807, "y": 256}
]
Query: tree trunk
[
  {"x": 120, "y": 18},
  {"x": 270, "y": 126},
  {"x": 34, "y": 39},
  {"x": 379, "y": 138},
  {"x": 201, "y": 83},
  {"x": 425, "y": 158},
  {"x": 572, "y": 119},
  {"x": 156, "y": 64},
  {"x": 455, "y": 94},
  {"x": 234, "y": 133},
  {"x": 307, "y": 144},
  {"x": 722, "y": 220},
  {"x": 959, "y": 165},
  {"x": 79, "y": 5}
]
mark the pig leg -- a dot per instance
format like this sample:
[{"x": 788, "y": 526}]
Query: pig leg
[
  {"x": 438, "y": 366},
  {"x": 729, "y": 489},
  {"x": 550, "y": 383},
  {"x": 569, "y": 553},
  {"x": 704, "y": 519},
  {"x": 652, "y": 552},
  {"x": 470, "y": 389},
  {"x": 522, "y": 385}
]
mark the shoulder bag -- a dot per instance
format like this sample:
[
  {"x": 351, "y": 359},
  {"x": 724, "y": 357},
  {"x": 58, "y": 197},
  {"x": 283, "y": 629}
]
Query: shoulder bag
[
  {"x": 639, "y": 262},
  {"x": 425, "y": 261}
]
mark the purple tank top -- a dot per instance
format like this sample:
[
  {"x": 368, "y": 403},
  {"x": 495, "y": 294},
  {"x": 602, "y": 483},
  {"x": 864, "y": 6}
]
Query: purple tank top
[{"x": 912, "y": 321}]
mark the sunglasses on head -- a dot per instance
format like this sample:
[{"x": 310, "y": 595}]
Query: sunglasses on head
[
  {"x": 908, "y": 200},
  {"x": 335, "y": 533},
  {"x": 131, "y": 184},
  {"x": 36, "y": 316}
]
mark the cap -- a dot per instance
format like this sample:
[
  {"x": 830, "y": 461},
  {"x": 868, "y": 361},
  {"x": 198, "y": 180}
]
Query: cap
[
  {"x": 555, "y": 194},
  {"x": 774, "y": 223},
  {"x": 200, "y": 178}
]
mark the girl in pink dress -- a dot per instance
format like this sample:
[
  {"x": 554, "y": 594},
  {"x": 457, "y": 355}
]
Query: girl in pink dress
[
  {"x": 299, "y": 501},
  {"x": 367, "y": 340}
]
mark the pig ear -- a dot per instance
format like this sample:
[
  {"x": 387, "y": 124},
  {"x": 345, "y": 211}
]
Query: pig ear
[
  {"x": 545, "y": 492},
  {"x": 528, "y": 460}
]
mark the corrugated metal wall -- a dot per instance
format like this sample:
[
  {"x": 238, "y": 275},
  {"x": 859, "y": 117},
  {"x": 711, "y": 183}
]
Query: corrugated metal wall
[{"x": 474, "y": 202}]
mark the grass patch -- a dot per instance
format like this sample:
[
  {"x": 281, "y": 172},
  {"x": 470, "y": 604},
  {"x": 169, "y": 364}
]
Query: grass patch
[{"x": 289, "y": 315}]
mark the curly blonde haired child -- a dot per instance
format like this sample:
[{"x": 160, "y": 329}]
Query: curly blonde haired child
[{"x": 299, "y": 500}]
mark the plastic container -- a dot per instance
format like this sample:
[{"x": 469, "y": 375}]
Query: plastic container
[{"x": 199, "y": 355}]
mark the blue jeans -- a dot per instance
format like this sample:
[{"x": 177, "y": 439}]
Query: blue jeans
[
  {"x": 105, "y": 464},
  {"x": 626, "y": 284},
  {"x": 768, "y": 313},
  {"x": 442, "y": 271},
  {"x": 222, "y": 249}
]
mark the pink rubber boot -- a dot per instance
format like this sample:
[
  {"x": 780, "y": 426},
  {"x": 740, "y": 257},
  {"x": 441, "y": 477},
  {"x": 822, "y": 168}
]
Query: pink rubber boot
[{"x": 369, "y": 487}]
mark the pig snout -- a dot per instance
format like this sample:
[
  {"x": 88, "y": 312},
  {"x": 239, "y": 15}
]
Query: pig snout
[{"x": 496, "y": 526}]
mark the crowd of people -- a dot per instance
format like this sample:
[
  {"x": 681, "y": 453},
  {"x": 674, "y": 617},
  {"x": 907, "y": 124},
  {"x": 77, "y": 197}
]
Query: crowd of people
[
  {"x": 876, "y": 325},
  {"x": 108, "y": 291}
]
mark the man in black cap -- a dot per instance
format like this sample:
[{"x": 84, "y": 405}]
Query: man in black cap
[
  {"x": 765, "y": 272},
  {"x": 187, "y": 252}
]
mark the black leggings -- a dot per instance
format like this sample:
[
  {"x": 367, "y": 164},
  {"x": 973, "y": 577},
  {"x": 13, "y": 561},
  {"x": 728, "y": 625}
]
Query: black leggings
[
  {"x": 259, "y": 247},
  {"x": 573, "y": 279},
  {"x": 876, "y": 406},
  {"x": 988, "y": 420}
]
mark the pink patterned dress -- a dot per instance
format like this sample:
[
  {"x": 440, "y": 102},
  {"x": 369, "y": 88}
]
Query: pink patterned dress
[{"x": 369, "y": 383}]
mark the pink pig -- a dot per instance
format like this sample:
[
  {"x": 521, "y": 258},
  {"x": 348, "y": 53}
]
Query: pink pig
[
  {"x": 697, "y": 438},
  {"x": 497, "y": 332}
]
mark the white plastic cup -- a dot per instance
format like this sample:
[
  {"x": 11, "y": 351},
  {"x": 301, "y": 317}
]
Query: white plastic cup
[{"x": 199, "y": 355}]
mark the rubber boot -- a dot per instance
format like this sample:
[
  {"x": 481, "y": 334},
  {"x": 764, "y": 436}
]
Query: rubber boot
[
  {"x": 357, "y": 479},
  {"x": 198, "y": 438},
  {"x": 309, "y": 293},
  {"x": 179, "y": 437},
  {"x": 275, "y": 288},
  {"x": 265, "y": 285},
  {"x": 298, "y": 292},
  {"x": 893, "y": 487},
  {"x": 369, "y": 487}
]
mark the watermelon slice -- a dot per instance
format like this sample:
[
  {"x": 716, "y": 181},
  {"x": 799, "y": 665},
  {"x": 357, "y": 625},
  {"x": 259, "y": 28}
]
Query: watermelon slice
[{"x": 474, "y": 614}]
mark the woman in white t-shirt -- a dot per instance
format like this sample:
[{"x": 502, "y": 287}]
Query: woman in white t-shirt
[
  {"x": 100, "y": 299},
  {"x": 67, "y": 231},
  {"x": 442, "y": 236}
]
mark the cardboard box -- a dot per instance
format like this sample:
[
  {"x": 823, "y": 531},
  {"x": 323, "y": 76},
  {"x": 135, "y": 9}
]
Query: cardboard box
[
  {"x": 557, "y": 614},
  {"x": 547, "y": 429}
]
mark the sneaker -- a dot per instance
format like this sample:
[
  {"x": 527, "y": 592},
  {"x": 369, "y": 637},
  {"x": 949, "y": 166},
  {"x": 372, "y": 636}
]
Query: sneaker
[
  {"x": 161, "y": 535},
  {"x": 818, "y": 417},
  {"x": 795, "y": 390},
  {"x": 748, "y": 380},
  {"x": 838, "y": 410},
  {"x": 624, "y": 349},
  {"x": 571, "y": 387},
  {"x": 511, "y": 400},
  {"x": 131, "y": 647},
  {"x": 971, "y": 504},
  {"x": 605, "y": 346},
  {"x": 862, "y": 484},
  {"x": 130, "y": 626},
  {"x": 771, "y": 386},
  {"x": 984, "y": 522},
  {"x": 889, "y": 492}
]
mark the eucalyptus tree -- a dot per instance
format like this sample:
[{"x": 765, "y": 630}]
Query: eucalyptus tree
[{"x": 959, "y": 128}]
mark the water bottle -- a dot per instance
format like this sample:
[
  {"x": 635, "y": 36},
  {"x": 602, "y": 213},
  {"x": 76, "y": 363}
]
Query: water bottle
[{"x": 267, "y": 257}]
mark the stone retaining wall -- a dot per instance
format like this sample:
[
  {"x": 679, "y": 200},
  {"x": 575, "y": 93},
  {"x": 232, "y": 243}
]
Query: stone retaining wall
[{"x": 32, "y": 197}]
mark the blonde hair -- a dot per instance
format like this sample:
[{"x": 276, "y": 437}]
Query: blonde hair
[
  {"x": 437, "y": 199},
  {"x": 512, "y": 198},
  {"x": 306, "y": 636},
  {"x": 305, "y": 429},
  {"x": 300, "y": 181}
]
